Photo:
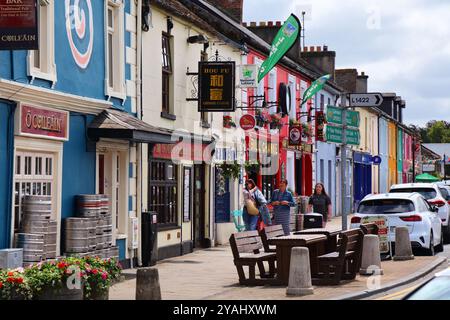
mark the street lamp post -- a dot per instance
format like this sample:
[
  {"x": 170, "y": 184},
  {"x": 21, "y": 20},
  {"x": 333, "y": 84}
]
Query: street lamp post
[{"x": 343, "y": 105}]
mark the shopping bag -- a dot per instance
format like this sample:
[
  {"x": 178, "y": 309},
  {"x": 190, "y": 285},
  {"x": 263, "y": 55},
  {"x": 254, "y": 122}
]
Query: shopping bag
[
  {"x": 265, "y": 215},
  {"x": 238, "y": 220}
]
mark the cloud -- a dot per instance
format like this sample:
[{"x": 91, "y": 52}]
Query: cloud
[{"x": 402, "y": 45}]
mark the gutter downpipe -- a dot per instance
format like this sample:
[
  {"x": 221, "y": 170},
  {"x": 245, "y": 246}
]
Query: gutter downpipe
[{"x": 139, "y": 203}]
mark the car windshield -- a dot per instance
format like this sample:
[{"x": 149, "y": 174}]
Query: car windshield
[
  {"x": 436, "y": 289},
  {"x": 445, "y": 193},
  {"x": 385, "y": 206},
  {"x": 427, "y": 193}
]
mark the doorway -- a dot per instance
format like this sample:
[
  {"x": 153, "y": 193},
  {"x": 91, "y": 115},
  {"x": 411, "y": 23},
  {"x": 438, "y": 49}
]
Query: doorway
[{"x": 199, "y": 227}]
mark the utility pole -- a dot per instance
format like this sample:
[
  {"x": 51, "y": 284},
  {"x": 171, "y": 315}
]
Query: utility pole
[{"x": 344, "y": 160}]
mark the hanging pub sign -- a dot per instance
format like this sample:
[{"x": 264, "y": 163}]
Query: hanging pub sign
[
  {"x": 295, "y": 135},
  {"x": 216, "y": 86},
  {"x": 18, "y": 25},
  {"x": 320, "y": 125},
  {"x": 247, "y": 122}
]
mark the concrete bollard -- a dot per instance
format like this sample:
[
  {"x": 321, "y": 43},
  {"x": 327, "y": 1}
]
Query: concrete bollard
[
  {"x": 371, "y": 258},
  {"x": 299, "y": 273},
  {"x": 147, "y": 284},
  {"x": 403, "y": 250}
]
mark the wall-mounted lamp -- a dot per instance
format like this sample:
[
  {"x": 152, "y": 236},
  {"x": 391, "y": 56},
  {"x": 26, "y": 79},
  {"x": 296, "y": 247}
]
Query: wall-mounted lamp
[
  {"x": 146, "y": 16},
  {"x": 198, "y": 39},
  {"x": 169, "y": 24}
]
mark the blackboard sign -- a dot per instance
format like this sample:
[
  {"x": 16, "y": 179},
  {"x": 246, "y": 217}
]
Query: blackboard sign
[
  {"x": 216, "y": 86},
  {"x": 18, "y": 25}
]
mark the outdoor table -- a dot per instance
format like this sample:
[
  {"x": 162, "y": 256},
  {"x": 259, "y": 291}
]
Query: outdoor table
[
  {"x": 331, "y": 236},
  {"x": 314, "y": 242}
]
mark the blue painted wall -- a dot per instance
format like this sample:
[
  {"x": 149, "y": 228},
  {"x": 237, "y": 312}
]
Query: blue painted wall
[
  {"x": 78, "y": 165},
  {"x": 6, "y": 160},
  {"x": 327, "y": 152},
  {"x": 384, "y": 153}
]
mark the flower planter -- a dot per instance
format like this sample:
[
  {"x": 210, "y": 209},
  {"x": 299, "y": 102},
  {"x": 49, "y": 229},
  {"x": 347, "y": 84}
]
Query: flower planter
[
  {"x": 61, "y": 293},
  {"x": 98, "y": 294}
]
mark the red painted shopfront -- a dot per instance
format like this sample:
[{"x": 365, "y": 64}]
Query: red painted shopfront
[{"x": 300, "y": 170}]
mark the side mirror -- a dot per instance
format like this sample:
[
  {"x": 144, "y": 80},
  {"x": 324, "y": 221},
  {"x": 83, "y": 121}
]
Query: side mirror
[{"x": 434, "y": 209}]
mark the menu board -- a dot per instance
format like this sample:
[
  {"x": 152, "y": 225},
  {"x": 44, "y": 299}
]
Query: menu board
[{"x": 187, "y": 195}]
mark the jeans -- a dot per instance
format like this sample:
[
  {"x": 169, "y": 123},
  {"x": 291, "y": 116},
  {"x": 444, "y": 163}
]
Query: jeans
[{"x": 249, "y": 220}]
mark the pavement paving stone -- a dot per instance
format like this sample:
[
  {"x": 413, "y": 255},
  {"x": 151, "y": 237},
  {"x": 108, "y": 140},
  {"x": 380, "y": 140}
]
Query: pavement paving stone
[{"x": 211, "y": 274}]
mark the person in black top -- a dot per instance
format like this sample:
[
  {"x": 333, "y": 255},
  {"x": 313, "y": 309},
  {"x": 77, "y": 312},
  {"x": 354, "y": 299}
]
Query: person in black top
[{"x": 320, "y": 202}]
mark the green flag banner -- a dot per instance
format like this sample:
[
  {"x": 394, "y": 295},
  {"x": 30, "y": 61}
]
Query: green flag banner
[
  {"x": 282, "y": 43},
  {"x": 315, "y": 87}
]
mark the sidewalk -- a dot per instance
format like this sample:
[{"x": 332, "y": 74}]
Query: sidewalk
[{"x": 211, "y": 274}]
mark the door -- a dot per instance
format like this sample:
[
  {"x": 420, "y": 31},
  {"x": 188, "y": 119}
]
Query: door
[
  {"x": 199, "y": 206},
  {"x": 222, "y": 198}
]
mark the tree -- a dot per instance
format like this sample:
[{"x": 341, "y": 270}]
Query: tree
[{"x": 439, "y": 132}]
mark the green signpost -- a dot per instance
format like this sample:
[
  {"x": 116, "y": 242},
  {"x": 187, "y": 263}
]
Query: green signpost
[{"x": 334, "y": 127}]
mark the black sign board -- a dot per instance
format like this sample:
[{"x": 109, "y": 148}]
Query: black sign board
[
  {"x": 216, "y": 86},
  {"x": 18, "y": 25}
]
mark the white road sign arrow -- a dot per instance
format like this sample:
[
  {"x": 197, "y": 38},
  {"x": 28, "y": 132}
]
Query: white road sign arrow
[{"x": 365, "y": 99}]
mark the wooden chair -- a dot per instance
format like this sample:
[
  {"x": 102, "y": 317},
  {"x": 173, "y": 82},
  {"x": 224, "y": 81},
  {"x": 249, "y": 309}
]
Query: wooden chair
[
  {"x": 246, "y": 248},
  {"x": 344, "y": 263},
  {"x": 270, "y": 232},
  {"x": 369, "y": 228}
]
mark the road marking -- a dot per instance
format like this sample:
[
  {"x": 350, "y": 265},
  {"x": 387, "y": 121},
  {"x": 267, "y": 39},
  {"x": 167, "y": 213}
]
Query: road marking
[{"x": 398, "y": 294}]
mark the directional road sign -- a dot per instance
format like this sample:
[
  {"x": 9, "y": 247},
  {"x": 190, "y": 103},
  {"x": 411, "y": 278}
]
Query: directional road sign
[
  {"x": 334, "y": 116},
  {"x": 334, "y": 134},
  {"x": 365, "y": 99}
]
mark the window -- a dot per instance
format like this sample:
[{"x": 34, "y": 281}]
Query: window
[
  {"x": 41, "y": 63},
  {"x": 163, "y": 191},
  {"x": 273, "y": 90},
  {"x": 291, "y": 86},
  {"x": 427, "y": 193},
  {"x": 33, "y": 176},
  {"x": 386, "y": 206},
  {"x": 322, "y": 102},
  {"x": 166, "y": 74},
  {"x": 115, "y": 50}
]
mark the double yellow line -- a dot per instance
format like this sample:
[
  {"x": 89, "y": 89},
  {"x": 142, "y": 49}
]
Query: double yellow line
[{"x": 397, "y": 295}]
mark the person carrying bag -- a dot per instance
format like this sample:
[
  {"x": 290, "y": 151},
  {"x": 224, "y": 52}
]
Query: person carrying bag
[{"x": 255, "y": 206}]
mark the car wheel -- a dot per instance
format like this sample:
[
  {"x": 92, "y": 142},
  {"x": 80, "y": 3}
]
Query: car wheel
[
  {"x": 440, "y": 246},
  {"x": 430, "y": 250}
]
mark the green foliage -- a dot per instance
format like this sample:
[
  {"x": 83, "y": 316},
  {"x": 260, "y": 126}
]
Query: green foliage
[
  {"x": 14, "y": 285},
  {"x": 230, "y": 170},
  {"x": 252, "y": 167},
  {"x": 435, "y": 131}
]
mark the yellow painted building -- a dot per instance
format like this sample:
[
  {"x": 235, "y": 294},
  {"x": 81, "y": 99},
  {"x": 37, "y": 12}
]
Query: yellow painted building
[{"x": 392, "y": 156}]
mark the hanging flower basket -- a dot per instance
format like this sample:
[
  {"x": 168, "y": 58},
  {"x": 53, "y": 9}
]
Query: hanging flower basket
[
  {"x": 307, "y": 130},
  {"x": 227, "y": 121},
  {"x": 230, "y": 170},
  {"x": 252, "y": 167}
]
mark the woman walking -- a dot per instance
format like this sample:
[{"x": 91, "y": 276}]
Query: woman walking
[
  {"x": 254, "y": 204},
  {"x": 321, "y": 203},
  {"x": 281, "y": 201}
]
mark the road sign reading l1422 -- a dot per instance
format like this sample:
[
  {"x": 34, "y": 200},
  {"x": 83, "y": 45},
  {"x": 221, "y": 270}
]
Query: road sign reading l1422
[{"x": 365, "y": 99}]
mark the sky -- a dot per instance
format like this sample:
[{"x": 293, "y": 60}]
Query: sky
[{"x": 402, "y": 45}]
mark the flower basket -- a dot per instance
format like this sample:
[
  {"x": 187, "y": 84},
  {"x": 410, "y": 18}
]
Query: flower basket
[
  {"x": 61, "y": 292},
  {"x": 252, "y": 167},
  {"x": 14, "y": 286},
  {"x": 228, "y": 122},
  {"x": 307, "y": 130},
  {"x": 230, "y": 170}
]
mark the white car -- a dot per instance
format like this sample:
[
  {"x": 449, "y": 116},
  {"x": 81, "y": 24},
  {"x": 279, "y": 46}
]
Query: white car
[
  {"x": 431, "y": 192},
  {"x": 409, "y": 210}
]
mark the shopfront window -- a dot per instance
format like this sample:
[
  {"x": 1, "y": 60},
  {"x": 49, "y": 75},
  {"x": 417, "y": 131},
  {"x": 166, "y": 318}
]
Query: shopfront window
[
  {"x": 163, "y": 191},
  {"x": 33, "y": 176}
]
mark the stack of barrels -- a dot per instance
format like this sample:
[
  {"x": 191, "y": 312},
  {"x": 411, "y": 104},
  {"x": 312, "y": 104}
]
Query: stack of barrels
[
  {"x": 38, "y": 232},
  {"x": 90, "y": 234}
]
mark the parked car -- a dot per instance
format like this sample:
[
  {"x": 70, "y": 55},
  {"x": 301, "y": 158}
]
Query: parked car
[
  {"x": 437, "y": 288},
  {"x": 445, "y": 190},
  {"x": 431, "y": 192},
  {"x": 409, "y": 210}
]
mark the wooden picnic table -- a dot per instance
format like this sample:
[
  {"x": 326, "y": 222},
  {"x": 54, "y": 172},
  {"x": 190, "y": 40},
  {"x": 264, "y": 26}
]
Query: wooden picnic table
[
  {"x": 316, "y": 243},
  {"x": 331, "y": 234}
]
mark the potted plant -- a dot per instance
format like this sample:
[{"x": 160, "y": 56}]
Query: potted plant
[
  {"x": 276, "y": 121},
  {"x": 14, "y": 285},
  {"x": 100, "y": 275},
  {"x": 227, "y": 120},
  {"x": 230, "y": 170},
  {"x": 294, "y": 122},
  {"x": 252, "y": 166}
]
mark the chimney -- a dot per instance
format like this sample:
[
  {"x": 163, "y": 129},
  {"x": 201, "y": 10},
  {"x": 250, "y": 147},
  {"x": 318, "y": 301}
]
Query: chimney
[
  {"x": 323, "y": 60},
  {"x": 347, "y": 79},
  {"x": 361, "y": 83},
  {"x": 232, "y": 8}
]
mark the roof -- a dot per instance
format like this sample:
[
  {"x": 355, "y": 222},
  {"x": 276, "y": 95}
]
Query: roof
[
  {"x": 413, "y": 185},
  {"x": 399, "y": 195},
  {"x": 439, "y": 148},
  {"x": 117, "y": 124},
  {"x": 431, "y": 153}
]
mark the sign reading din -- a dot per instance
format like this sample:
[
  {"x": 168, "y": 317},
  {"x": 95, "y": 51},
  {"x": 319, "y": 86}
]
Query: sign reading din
[
  {"x": 18, "y": 25},
  {"x": 216, "y": 86},
  {"x": 47, "y": 123}
]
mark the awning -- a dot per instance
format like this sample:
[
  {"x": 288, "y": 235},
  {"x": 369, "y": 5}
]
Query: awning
[
  {"x": 117, "y": 124},
  {"x": 426, "y": 177}
]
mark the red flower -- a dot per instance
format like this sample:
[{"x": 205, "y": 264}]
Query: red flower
[
  {"x": 104, "y": 276},
  {"x": 10, "y": 274},
  {"x": 1, "y": 284},
  {"x": 19, "y": 280},
  {"x": 61, "y": 265},
  {"x": 94, "y": 271},
  {"x": 10, "y": 280}
]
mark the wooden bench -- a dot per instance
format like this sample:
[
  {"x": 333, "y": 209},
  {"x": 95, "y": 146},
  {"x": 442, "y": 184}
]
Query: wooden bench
[
  {"x": 344, "y": 263},
  {"x": 270, "y": 232},
  {"x": 246, "y": 248},
  {"x": 369, "y": 228}
]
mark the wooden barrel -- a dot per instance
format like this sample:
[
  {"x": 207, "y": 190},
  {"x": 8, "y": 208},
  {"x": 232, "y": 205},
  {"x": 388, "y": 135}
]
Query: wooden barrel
[
  {"x": 89, "y": 205},
  {"x": 32, "y": 245}
]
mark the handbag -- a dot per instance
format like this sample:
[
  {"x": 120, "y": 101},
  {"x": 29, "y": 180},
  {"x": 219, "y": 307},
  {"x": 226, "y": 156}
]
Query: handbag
[{"x": 251, "y": 207}]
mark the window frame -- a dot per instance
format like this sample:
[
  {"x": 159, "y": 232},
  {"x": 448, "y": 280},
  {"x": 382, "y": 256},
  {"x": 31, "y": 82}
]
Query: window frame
[
  {"x": 118, "y": 90},
  {"x": 46, "y": 47},
  {"x": 166, "y": 74}
]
